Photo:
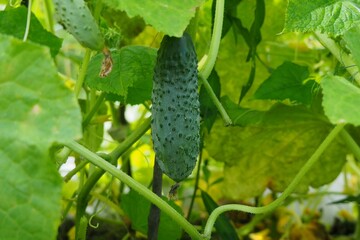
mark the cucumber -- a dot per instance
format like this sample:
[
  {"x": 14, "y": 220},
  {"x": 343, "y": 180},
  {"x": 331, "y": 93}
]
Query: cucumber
[
  {"x": 175, "y": 107},
  {"x": 78, "y": 21}
]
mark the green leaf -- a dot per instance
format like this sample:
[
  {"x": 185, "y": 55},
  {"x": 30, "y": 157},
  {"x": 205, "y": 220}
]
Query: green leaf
[
  {"x": 287, "y": 82},
  {"x": 131, "y": 77},
  {"x": 169, "y": 17},
  {"x": 222, "y": 224},
  {"x": 36, "y": 111},
  {"x": 270, "y": 153},
  {"x": 351, "y": 39},
  {"x": 341, "y": 100},
  {"x": 137, "y": 208},
  {"x": 241, "y": 116},
  {"x": 36, "y": 106},
  {"x": 333, "y": 17},
  {"x": 348, "y": 199},
  {"x": 229, "y": 13},
  {"x": 13, "y": 22},
  {"x": 30, "y": 191}
]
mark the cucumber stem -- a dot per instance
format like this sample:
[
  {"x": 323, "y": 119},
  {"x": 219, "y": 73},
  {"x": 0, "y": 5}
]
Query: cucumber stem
[
  {"x": 148, "y": 194},
  {"x": 206, "y": 64},
  {"x": 82, "y": 73},
  {"x": 217, "y": 103},
  {"x": 206, "y": 68},
  {"x": 28, "y": 20},
  {"x": 258, "y": 210},
  {"x": 93, "y": 110}
]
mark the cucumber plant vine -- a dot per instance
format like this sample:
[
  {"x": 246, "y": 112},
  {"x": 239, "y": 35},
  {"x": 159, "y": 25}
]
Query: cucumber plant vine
[{"x": 112, "y": 71}]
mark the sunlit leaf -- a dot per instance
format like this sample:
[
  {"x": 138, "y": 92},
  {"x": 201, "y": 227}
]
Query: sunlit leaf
[
  {"x": 333, "y": 17},
  {"x": 36, "y": 106},
  {"x": 169, "y": 17},
  {"x": 36, "y": 111},
  {"x": 30, "y": 192},
  {"x": 341, "y": 100}
]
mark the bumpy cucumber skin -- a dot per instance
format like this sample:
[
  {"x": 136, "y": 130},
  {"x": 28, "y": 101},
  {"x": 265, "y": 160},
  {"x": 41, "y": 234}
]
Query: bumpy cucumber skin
[
  {"x": 175, "y": 107},
  {"x": 77, "y": 19}
]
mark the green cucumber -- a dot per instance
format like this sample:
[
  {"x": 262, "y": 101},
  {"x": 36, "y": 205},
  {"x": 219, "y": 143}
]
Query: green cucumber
[
  {"x": 78, "y": 20},
  {"x": 175, "y": 107}
]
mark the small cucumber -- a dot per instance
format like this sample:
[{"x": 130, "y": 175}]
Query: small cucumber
[
  {"x": 77, "y": 19},
  {"x": 175, "y": 107}
]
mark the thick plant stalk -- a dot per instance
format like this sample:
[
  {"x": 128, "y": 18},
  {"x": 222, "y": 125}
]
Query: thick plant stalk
[
  {"x": 148, "y": 194},
  {"x": 207, "y": 63},
  {"x": 154, "y": 215}
]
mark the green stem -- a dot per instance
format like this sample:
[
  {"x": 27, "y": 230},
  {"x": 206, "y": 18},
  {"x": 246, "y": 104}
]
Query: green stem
[
  {"x": 62, "y": 156},
  {"x": 93, "y": 110},
  {"x": 351, "y": 144},
  {"x": 96, "y": 175},
  {"x": 82, "y": 73},
  {"x": 207, "y": 63},
  {"x": 131, "y": 139},
  {"x": 343, "y": 58},
  {"x": 83, "y": 224},
  {"x": 210, "y": 59},
  {"x": 258, "y": 210},
  {"x": 101, "y": 163},
  {"x": 217, "y": 103},
  {"x": 28, "y": 20},
  {"x": 78, "y": 167}
]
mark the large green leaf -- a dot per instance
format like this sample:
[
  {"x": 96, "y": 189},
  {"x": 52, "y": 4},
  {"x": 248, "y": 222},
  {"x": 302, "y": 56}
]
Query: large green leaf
[
  {"x": 131, "y": 77},
  {"x": 287, "y": 82},
  {"x": 341, "y": 100},
  {"x": 36, "y": 111},
  {"x": 270, "y": 153},
  {"x": 13, "y": 22},
  {"x": 30, "y": 191},
  {"x": 137, "y": 208},
  {"x": 333, "y": 17},
  {"x": 169, "y": 17}
]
